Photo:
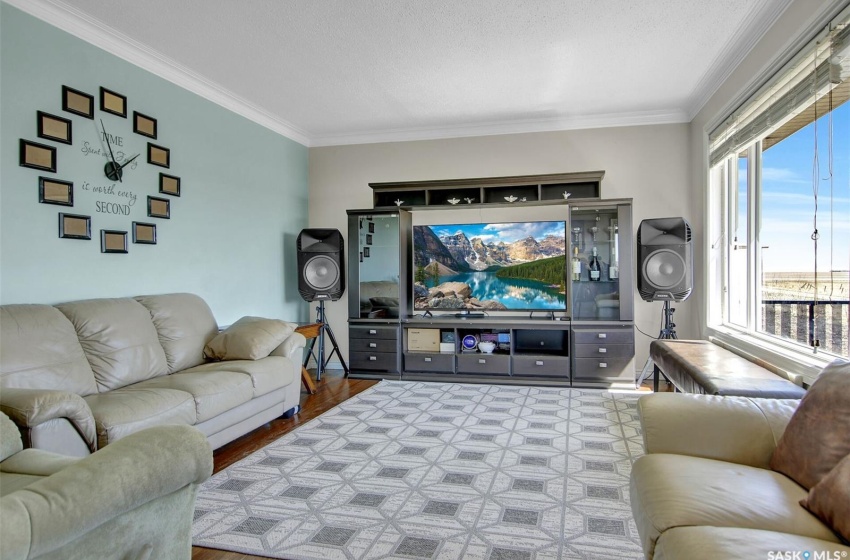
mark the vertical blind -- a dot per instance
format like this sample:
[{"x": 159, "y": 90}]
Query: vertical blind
[{"x": 817, "y": 69}]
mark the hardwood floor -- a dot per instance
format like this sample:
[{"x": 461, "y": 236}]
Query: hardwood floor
[{"x": 332, "y": 390}]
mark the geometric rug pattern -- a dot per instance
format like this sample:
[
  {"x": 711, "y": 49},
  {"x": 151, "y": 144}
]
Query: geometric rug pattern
[{"x": 413, "y": 470}]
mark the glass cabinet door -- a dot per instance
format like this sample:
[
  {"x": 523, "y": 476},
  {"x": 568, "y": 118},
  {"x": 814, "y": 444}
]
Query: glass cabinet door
[
  {"x": 377, "y": 251},
  {"x": 595, "y": 245}
]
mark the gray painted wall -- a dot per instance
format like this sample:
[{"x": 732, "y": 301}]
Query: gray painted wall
[{"x": 231, "y": 236}]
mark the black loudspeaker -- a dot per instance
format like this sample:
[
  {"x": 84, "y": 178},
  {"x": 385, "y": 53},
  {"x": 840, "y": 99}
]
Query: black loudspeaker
[
  {"x": 321, "y": 268},
  {"x": 665, "y": 264}
]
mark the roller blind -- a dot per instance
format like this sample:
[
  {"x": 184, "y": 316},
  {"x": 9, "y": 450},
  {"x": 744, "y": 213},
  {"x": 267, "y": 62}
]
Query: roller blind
[{"x": 819, "y": 68}]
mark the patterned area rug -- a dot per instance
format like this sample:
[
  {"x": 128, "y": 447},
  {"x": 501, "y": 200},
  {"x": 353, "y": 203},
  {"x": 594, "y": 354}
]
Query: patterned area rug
[{"x": 444, "y": 471}]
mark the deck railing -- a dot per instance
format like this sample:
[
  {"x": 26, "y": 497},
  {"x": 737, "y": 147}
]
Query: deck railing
[{"x": 805, "y": 320}]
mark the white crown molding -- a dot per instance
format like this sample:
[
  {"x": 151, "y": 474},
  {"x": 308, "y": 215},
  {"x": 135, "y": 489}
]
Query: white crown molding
[
  {"x": 748, "y": 34},
  {"x": 504, "y": 127},
  {"x": 81, "y": 25}
]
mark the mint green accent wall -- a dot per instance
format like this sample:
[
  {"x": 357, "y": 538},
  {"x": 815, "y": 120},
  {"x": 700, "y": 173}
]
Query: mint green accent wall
[{"x": 231, "y": 236}]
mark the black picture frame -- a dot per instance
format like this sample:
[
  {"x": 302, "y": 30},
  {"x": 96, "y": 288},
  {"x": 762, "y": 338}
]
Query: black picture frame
[
  {"x": 366, "y": 252},
  {"x": 74, "y": 226},
  {"x": 371, "y": 227},
  {"x": 144, "y": 233},
  {"x": 113, "y": 241},
  {"x": 169, "y": 184},
  {"x": 113, "y": 102},
  {"x": 50, "y": 127},
  {"x": 368, "y": 239},
  {"x": 156, "y": 210},
  {"x": 159, "y": 155},
  {"x": 144, "y": 125},
  {"x": 55, "y": 191},
  {"x": 33, "y": 154},
  {"x": 361, "y": 256},
  {"x": 77, "y": 102}
]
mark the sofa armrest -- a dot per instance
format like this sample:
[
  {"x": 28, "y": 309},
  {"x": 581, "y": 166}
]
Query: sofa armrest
[
  {"x": 739, "y": 430},
  {"x": 135, "y": 470},
  {"x": 30, "y": 407},
  {"x": 291, "y": 348}
]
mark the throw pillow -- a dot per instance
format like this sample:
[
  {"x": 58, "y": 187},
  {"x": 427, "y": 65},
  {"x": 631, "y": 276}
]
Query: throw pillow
[
  {"x": 829, "y": 499},
  {"x": 818, "y": 435},
  {"x": 249, "y": 338}
]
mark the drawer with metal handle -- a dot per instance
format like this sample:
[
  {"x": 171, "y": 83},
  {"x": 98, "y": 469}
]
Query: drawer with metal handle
[
  {"x": 429, "y": 363},
  {"x": 609, "y": 336},
  {"x": 376, "y": 361},
  {"x": 373, "y": 345},
  {"x": 604, "y": 350},
  {"x": 364, "y": 332},
  {"x": 499, "y": 364},
  {"x": 541, "y": 366},
  {"x": 596, "y": 368}
]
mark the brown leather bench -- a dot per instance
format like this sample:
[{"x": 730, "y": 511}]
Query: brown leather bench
[{"x": 699, "y": 366}]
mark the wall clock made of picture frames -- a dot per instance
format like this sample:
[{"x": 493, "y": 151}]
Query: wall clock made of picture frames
[{"x": 112, "y": 152}]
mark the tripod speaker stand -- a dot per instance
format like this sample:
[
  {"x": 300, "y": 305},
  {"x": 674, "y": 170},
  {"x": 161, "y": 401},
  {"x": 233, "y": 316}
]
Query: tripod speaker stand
[
  {"x": 321, "y": 360},
  {"x": 668, "y": 332}
]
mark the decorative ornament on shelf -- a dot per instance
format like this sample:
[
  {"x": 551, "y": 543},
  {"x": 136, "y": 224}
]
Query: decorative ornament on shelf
[
  {"x": 453, "y": 201},
  {"x": 399, "y": 202},
  {"x": 511, "y": 198},
  {"x": 567, "y": 195},
  {"x": 522, "y": 199},
  {"x": 469, "y": 199}
]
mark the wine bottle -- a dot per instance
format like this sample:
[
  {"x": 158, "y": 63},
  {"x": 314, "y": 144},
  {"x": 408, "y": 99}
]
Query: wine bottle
[
  {"x": 593, "y": 267},
  {"x": 576, "y": 265}
]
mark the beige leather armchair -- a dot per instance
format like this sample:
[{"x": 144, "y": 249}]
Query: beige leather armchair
[
  {"x": 704, "y": 489},
  {"x": 131, "y": 500}
]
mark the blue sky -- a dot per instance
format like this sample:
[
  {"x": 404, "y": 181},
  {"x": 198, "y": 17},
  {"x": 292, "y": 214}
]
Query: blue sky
[
  {"x": 788, "y": 202},
  {"x": 507, "y": 232}
]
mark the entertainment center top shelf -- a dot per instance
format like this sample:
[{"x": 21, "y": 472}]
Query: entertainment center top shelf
[{"x": 519, "y": 189}]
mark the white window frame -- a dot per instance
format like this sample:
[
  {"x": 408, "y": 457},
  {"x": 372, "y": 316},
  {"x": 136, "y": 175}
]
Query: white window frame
[{"x": 799, "y": 364}]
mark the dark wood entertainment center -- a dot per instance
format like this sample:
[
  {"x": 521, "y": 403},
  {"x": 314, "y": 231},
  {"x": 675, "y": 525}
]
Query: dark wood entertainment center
[{"x": 591, "y": 343}]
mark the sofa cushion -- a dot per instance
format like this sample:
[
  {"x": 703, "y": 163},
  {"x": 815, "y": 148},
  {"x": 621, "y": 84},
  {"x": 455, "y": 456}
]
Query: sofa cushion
[
  {"x": 829, "y": 499},
  {"x": 213, "y": 392},
  {"x": 10, "y": 438},
  {"x": 121, "y": 412},
  {"x": 266, "y": 375},
  {"x": 184, "y": 323},
  {"x": 817, "y": 437},
  {"x": 249, "y": 338},
  {"x": 676, "y": 490},
  {"x": 39, "y": 349},
  {"x": 713, "y": 543},
  {"x": 119, "y": 340}
]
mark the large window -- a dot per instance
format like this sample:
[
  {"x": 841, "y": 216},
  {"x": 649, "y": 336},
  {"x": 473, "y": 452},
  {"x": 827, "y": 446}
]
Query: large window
[{"x": 780, "y": 180}]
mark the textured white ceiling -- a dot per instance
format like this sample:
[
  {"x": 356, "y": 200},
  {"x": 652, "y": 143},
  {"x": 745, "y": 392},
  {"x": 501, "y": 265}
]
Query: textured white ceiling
[{"x": 343, "y": 71}]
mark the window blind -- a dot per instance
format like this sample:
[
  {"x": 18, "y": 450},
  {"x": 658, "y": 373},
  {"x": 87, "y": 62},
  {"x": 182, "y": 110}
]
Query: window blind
[{"x": 819, "y": 67}]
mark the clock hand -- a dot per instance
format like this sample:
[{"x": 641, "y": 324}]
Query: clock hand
[
  {"x": 111, "y": 170},
  {"x": 128, "y": 162}
]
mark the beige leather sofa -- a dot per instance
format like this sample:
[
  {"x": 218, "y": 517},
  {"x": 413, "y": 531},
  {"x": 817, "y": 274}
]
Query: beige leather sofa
[
  {"x": 131, "y": 501},
  {"x": 77, "y": 376},
  {"x": 704, "y": 489}
]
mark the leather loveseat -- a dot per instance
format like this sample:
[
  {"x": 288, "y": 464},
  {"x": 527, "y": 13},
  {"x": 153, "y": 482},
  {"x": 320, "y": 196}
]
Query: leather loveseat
[
  {"x": 77, "y": 376},
  {"x": 132, "y": 500},
  {"x": 705, "y": 488}
]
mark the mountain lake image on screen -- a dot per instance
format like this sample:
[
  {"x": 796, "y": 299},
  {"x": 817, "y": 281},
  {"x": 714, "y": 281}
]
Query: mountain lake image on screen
[{"x": 515, "y": 266}]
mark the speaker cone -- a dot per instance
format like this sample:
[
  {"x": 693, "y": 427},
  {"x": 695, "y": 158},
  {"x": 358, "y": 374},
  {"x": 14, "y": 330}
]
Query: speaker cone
[
  {"x": 321, "y": 272},
  {"x": 664, "y": 269}
]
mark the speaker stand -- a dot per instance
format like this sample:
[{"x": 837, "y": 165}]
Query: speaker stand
[
  {"x": 668, "y": 332},
  {"x": 321, "y": 361}
]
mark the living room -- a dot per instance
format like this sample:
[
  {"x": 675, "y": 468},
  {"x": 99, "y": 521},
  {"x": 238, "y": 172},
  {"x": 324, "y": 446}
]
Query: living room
[{"x": 254, "y": 179}]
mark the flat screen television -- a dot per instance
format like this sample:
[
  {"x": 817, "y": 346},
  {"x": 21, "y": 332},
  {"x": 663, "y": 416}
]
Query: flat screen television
[{"x": 515, "y": 266}]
